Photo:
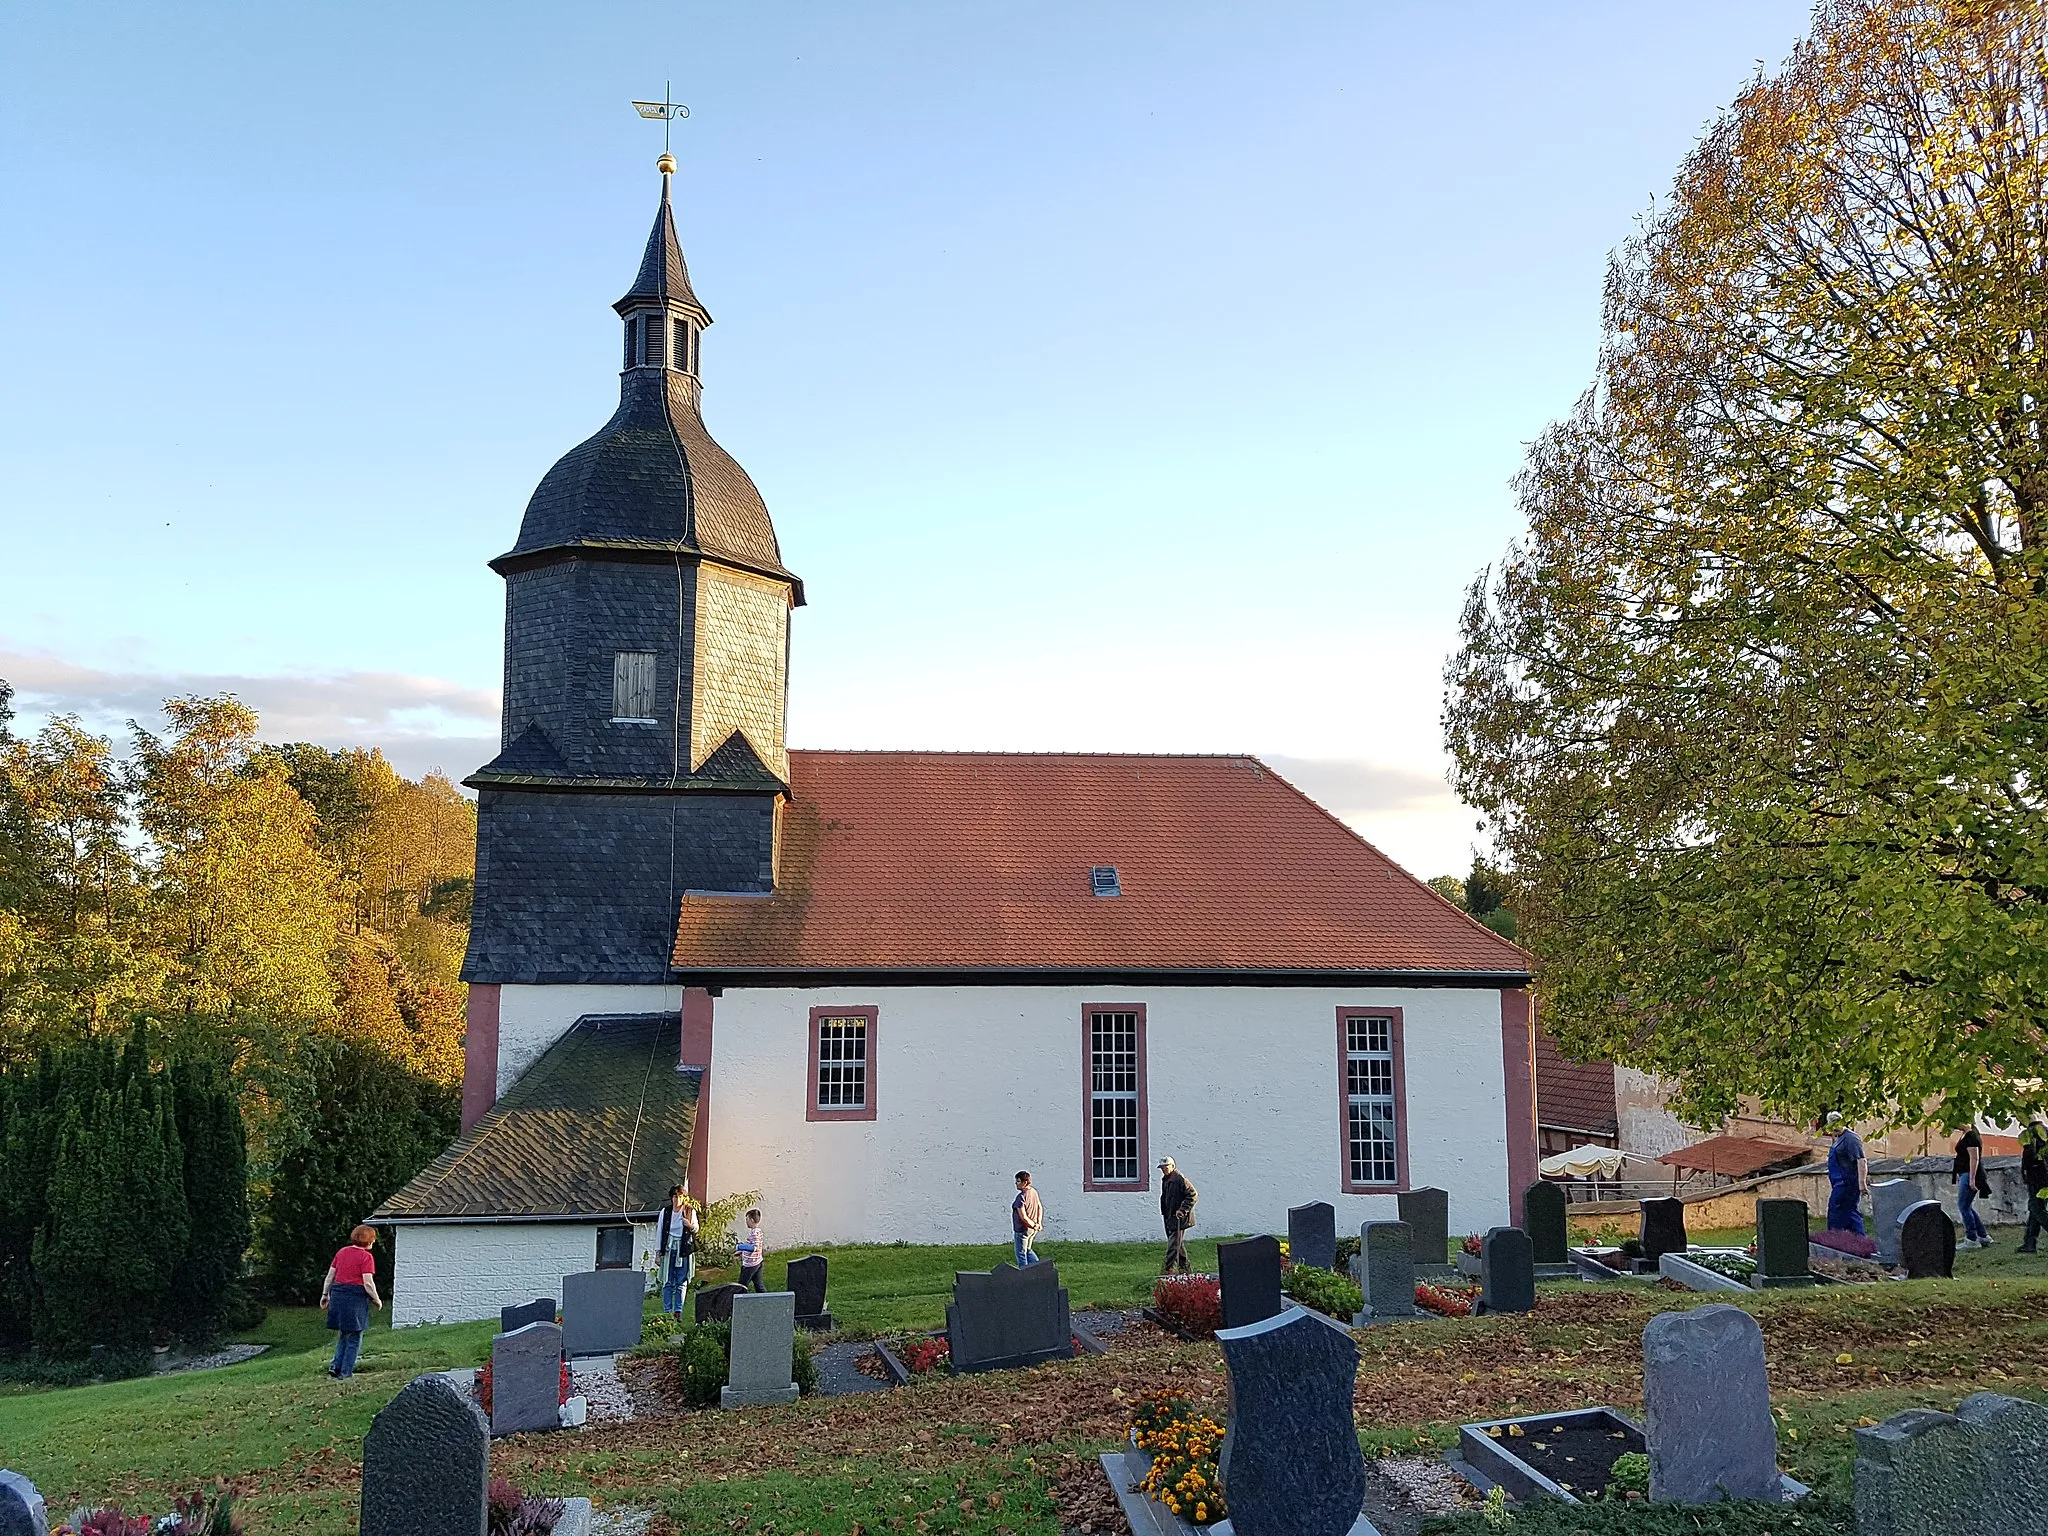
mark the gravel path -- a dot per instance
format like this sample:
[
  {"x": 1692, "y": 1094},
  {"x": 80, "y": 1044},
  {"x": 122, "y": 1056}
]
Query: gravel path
[
  {"x": 596, "y": 1381},
  {"x": 837, "y": 1376}
]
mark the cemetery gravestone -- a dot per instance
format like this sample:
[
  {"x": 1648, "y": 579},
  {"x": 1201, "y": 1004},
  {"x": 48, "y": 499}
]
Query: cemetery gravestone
[
  {"x": 1250, "y": 1276},
  {"x": 426, "y": 1463},
  {"x": 1386, "y": 1271},
  {"x": 1781, "y": 1251},
  {"x": 1980, "y": 1471},
  {"x": 1707, "y": 1407},
  {"x": 1888, "y": 1201},
  {"x": 1428, "y": 1215},
  {"x": 526, "y": 1379},
  {"x": 511, "y": 1319},
  {"x": 1291, "y": 1464},
  {"x": 1507, "y": 1271},
  {"x": 1927, "y": 1242},
  {"x": 1312, "y": 1235},
  {"x": 1543, "y": 1219},
  {"x": 763, "y": 1334},
  {"x": 21, "y": 1507},
  {"x": 807, "y": 1280},
  {"x": 1008, "y": 1317},
  {"x": 1663, "y": 1230},
  {"x": 715, "y": 1305},
  {"x": 601, "y": 1311}
]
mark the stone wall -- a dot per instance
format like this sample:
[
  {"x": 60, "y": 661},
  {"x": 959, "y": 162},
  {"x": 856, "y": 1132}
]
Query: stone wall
[{"x": 458, "y": 1272}]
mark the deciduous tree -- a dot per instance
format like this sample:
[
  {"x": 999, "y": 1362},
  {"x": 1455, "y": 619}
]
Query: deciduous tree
[{"x": 1758, "y": 709}]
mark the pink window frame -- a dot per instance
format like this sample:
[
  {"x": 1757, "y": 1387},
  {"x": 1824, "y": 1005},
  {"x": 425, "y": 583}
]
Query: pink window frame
[
  {"x": 812, "y": 1109},
  {"x": 1351, "y": 1187},
  {"x": 1143, "y": 1183}
]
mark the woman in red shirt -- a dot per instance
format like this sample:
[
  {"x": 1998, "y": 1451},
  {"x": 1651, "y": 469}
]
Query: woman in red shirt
[{"x": 348, "y": 1292}]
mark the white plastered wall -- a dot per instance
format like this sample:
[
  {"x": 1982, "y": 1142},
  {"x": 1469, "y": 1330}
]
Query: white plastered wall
[
  {"x": 532, "y": 1018},
  {"x": 457, "y": 1272},
  {"x": 974, "y": 1083}
]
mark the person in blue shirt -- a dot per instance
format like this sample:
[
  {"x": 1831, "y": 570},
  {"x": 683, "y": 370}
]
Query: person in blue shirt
[{"x": 1848, "y": 1176}]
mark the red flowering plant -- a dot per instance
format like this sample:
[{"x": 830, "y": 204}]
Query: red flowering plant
[
  {"x": 1473, "y": 1244},
  {"x": 1189, "y": 1304},
  {"x": 1446, "y": 1300},
  {"x": 920, "y": 1356}
]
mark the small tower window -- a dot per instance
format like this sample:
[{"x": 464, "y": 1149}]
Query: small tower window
[
  {"x": 633, "y": 686},
  {"x": 632, "y": 325},
  {"x": 682, "y": 344},
  {"x": 657, "y": 342}
]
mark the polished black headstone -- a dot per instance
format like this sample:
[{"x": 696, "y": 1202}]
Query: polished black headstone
[
  {"x": 1428, "y": 1212},
  {"x": 1543, "y": 1219},
  {"x": 1008, "y": 1317},
  {"x": 1781, "y": 1243},
  {"x": 1250, "y": 1274},
  {"x": 807, "y": 1279},
  {"x": 1663, "y": 1229},
  {"x": 16, "y": 1518},
  {"x": 1507, "y": 1271},
  {"x": 1927, "y": 1242},
  {"x": 715, "y": 1305},
  {"x": 511, "y": 1319},
  {"x": 526, "y": 1379},
  {"x": 1291, "y": 1464},
  {"x": 1312, "y": 1234},
  {"x": 426, "y": 1463},
  {"x": 602, "y": 1311}
]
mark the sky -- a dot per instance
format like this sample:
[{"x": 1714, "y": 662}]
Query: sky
[{"x": 1141, "y": 377}]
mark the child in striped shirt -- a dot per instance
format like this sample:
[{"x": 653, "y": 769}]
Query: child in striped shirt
[{"x": 753, "y": 1252}]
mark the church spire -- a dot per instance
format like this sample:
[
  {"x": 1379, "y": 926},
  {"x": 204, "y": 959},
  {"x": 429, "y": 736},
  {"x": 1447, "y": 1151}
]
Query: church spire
[{"x": 663, "y": 316}]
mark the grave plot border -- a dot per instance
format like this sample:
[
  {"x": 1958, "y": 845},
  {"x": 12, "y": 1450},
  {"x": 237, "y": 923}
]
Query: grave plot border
[
  {"x": 1126, "y": 1468},
  {"x": 1495, "y": 1464},
  {"x": 1697, "y": 1277}
]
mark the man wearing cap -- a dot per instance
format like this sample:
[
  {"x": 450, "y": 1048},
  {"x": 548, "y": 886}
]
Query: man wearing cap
[{"x": 1176, "y": 1208}]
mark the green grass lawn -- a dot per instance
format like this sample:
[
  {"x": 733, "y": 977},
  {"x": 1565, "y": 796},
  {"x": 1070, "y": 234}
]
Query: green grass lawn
[
  {"x": 899, "y": 1288},
  {"x": 979, "y": 1455}
]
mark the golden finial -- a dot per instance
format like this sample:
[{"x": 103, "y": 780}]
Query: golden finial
[{"x": 666, "y": 164}]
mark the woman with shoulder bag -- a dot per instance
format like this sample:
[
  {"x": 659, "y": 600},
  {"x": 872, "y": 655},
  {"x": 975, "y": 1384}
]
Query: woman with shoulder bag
[{"x": 676, "y": 1241}]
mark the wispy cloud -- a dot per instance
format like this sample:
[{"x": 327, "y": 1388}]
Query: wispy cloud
[
  {"x": 419, "y": 722},
  {"x": 1354, "y": 787}
]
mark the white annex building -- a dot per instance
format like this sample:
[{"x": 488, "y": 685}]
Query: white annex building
[{"x": 874, "y": 985}]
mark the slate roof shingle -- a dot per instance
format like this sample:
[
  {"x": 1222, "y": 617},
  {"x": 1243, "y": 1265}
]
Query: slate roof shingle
[
  {"x": 600, "y": 1126},
  {"x": 919, "y": 861}
]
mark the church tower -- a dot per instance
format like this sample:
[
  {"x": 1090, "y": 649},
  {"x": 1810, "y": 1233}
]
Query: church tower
[{"x": 646, "y": 675}]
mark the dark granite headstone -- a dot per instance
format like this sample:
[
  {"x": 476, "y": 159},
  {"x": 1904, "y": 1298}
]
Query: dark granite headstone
[
  {"x": 1507, "y": 1271},
  {"x": 715, "y": 1305},
  {"x": 526, "y": 1379},
  {"x": 1707, "y": 1407},
  {"x": 1290, "y": 1464},
  {"x": 1428, "y": 1214},
  {"x": 807, "y": 1279},
  {"x": 602, "y": 1311},
  {"x": 1980, "y": 1471},
  {"x": 1782, "y": 1255},
  {"x": 1386, "y": 1271},
  {"x": 511, "y": 1319},
  {"x": 1927, "y": 1242},
  {"x": 1008, "y": 1317},
  {"x": 1543, "y": 1219},
  {"x": 426, "y": 1463},
  {"x": 22, "y": 1512},
  {"x": 1663, "y": 1229},
  {"x": 1250, "y": 1275},
  {"x": 1889, "y": 1201},
  {"x": 1312, "y": 1235}
]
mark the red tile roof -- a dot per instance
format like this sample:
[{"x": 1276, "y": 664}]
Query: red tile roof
[
  {"x": 1736, "y": 1157},
  {"x": 1573, "y": 1095},
  {"x": 919, "y": 861}
]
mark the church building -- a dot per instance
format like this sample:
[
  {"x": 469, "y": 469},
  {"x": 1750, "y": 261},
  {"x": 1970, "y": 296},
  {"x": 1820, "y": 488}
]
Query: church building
[{"x": 874, "y": 985}]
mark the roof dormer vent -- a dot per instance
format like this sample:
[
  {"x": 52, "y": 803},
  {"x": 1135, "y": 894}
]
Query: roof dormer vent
[{"x": 1102, "y": 879}]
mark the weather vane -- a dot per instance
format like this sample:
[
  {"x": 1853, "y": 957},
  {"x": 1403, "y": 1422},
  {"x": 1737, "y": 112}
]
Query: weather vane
[{"x": 668, "y": 111}]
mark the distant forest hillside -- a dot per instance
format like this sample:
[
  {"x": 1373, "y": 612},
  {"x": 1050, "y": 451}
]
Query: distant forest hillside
[{"x": 294, "y": 913}]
